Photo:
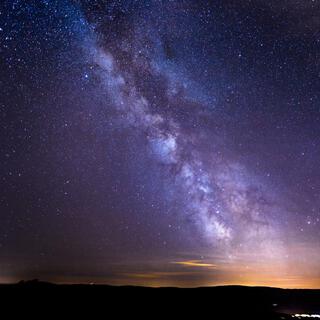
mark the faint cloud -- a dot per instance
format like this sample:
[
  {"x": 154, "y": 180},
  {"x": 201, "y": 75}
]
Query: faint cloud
[{"x": 195, "y": 263}]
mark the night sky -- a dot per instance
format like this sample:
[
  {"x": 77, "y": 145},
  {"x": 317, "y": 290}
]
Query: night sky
[{"x": 161, "y": 142}]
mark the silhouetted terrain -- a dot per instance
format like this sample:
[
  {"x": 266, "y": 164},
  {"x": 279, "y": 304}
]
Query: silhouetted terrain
[{"x": 229, "y": 302}]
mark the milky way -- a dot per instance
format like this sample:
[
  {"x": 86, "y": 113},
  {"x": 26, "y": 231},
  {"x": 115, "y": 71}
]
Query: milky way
[
  {"x": 160, "y": 142},
  {"x": 217, "y": 194}
]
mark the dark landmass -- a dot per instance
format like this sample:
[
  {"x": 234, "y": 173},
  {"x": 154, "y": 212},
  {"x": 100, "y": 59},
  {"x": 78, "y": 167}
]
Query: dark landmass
[{"x": 226, "y": 302}]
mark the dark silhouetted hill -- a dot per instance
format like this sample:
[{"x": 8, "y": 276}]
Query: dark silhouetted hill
[{"x": 226, "y": 302}]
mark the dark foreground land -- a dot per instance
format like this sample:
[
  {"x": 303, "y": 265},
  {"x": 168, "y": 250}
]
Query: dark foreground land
[{"x": 229, "y": 302}]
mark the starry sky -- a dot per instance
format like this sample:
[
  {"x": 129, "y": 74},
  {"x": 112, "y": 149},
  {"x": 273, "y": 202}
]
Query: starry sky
[{"x": 160, "y": 142}]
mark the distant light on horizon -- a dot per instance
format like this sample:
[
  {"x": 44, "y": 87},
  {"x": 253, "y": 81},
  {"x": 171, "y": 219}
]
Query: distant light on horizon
[{"x": 305, "y": 315}]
